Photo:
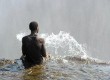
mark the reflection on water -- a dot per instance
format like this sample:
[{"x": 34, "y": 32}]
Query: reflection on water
[{"x": 35, "y": 73}]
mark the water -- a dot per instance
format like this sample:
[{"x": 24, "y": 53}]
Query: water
[{"x": 69, "y": 61}]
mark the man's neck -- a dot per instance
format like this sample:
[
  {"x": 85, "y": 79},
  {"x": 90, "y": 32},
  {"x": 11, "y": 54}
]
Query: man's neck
[{"x": 34, "y": 33}]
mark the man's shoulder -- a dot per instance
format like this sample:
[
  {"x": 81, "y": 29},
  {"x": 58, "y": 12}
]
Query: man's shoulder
[
  {"x": 41, "y": 40},
  {"x": 25, "y": 38}
]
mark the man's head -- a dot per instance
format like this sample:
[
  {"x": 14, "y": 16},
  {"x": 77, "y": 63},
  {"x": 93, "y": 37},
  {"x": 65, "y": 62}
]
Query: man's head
[{"x": 33, "y": 26}]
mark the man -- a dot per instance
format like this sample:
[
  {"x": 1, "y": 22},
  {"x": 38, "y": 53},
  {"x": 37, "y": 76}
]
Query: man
[{"x": 33, "y": 48}]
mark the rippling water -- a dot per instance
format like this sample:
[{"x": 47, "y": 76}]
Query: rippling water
[
  {"x": 69, "y": 61},
  {"x": 58, "y": 69}
]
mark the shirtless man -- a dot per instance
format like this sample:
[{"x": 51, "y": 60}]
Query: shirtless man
[{"x": 33, "y": 48}]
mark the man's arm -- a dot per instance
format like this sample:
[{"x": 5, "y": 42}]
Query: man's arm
[
  {"x": 43, "y": 49},
  {"x": 23, "y": 47}
]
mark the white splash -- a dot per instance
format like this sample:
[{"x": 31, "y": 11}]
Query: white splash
[
  {"x": 20, "y": 36},
  {"x": 66, "y": 43}
]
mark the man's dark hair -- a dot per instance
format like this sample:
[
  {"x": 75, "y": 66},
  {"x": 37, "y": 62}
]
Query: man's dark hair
[{"x": 33, "y": 26}]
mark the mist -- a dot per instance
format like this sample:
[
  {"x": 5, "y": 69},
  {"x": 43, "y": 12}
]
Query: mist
[{"x": 86, "y": 20}]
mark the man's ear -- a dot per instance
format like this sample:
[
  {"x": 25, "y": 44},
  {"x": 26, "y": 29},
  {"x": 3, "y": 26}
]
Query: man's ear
[{"x": 37, "y": 29}]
